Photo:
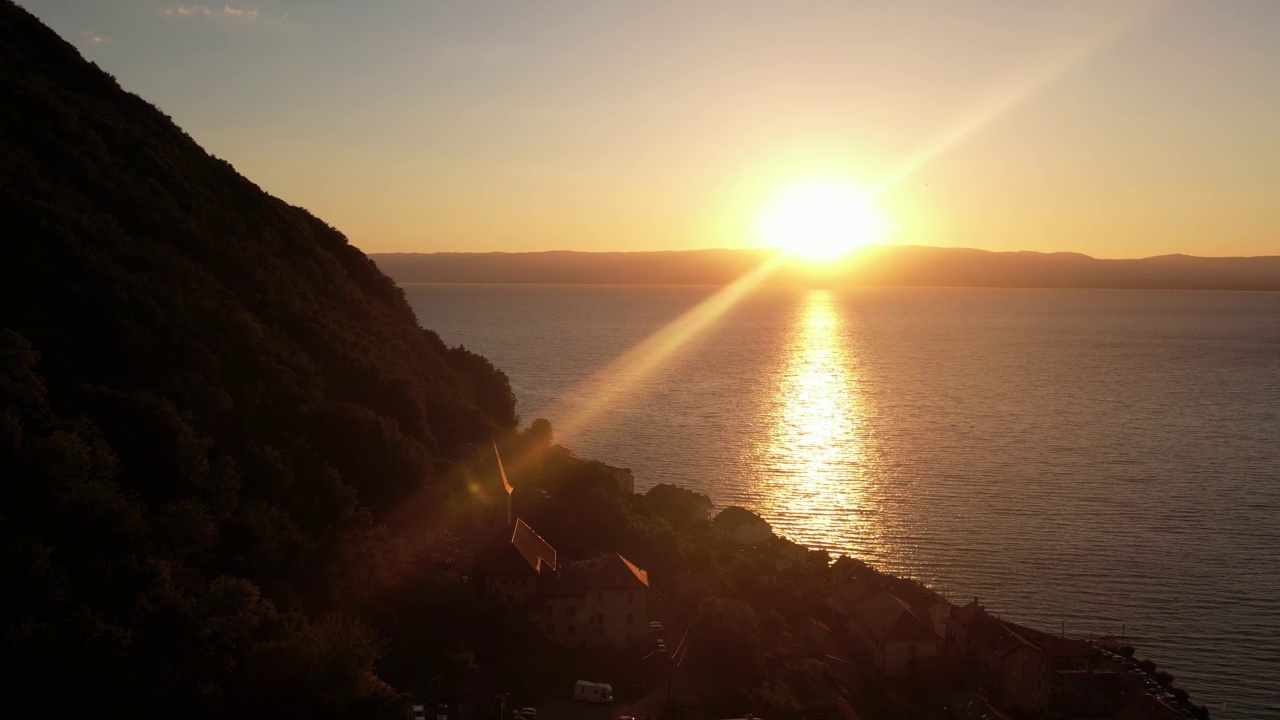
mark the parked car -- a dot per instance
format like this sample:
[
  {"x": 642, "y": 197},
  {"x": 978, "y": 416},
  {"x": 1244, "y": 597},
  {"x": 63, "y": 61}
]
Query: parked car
[
  {"x": 655, "y": 627},
  {"x": 593, "y": 692}
]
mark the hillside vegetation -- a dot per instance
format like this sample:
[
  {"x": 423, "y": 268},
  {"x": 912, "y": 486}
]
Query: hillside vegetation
[{"x": 208, "y": 399}]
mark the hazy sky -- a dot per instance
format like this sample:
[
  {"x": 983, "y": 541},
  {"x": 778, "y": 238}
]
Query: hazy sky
[{"x": 1114, "y": 129}]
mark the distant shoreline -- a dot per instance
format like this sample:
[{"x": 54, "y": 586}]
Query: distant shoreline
[{"x": 881, "y": 266}]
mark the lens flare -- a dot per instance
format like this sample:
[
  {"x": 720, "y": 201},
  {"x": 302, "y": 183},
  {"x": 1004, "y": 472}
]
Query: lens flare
[{"x": 617, "y": 379}]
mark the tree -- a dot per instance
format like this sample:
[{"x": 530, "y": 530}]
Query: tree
[
  {"x": 684, "y": 509},
  {"x": 725, "y": 638}
]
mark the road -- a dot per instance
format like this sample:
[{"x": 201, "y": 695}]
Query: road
[{"x": 676, "y": 621}]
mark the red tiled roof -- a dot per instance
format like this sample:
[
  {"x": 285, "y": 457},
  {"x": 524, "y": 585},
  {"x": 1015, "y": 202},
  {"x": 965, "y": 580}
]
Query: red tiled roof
[
  {"x": 613, "y": 572},
  {"x": 502, "y": 472},
  {"x": 526, "y": 553},
  {"x": 489, "y": 478},
  {"x": 616, "y": 572},
  {"x": 636, "y": 572},
  {"x": 535, "y": 551}
]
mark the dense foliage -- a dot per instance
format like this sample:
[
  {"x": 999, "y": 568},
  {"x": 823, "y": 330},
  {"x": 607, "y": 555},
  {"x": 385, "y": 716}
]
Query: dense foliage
[{"x": 208, "y": 399}]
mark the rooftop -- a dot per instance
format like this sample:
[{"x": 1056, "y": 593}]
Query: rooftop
[
  {"x": 535, "y": 551},
  {"x": 890, "y": 618},
  {"x": 489, "y": 477}
]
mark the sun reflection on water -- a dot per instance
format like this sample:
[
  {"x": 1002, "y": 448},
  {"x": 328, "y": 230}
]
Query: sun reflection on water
[{"x": 819, "y": 454}]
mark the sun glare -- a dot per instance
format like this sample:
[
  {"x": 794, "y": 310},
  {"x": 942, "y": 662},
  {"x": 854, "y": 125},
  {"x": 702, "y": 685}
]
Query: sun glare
[{"x": 820, "y": 221}]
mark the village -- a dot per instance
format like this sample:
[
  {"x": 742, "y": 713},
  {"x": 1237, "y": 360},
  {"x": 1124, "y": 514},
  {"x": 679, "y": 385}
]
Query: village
[{"x": 769, "y": 628}]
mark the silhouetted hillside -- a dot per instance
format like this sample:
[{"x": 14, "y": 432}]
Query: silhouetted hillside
[
  {"x": 881, "y": 265},
  {"x": 207, "y": 397}
]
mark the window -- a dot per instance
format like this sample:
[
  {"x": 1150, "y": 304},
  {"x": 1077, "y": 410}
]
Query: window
[
  {"x": 573, "y": 630},
  {"x": 551, "y": 610},
  {"x": 911, "y": 651},
  {"x": 599, "y": 597},
  {"x": 600, "y": 618},
  {"x": 630, "y": 618},
  {"x": 631, "y": 597}
]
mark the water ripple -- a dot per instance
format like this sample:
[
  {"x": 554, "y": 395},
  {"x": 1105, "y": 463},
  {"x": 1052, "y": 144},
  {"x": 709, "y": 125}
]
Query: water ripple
[{"x": 1103, "y": 459}]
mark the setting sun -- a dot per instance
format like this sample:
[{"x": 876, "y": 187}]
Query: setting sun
[{"x": 820, "y": 221}]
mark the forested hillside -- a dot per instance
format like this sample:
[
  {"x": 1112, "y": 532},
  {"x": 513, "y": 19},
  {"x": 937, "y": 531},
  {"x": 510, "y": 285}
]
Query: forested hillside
[{"x": 207, "y": 400}]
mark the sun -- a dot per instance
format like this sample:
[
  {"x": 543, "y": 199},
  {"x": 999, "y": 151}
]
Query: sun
[{"x": 820, "y": 221}]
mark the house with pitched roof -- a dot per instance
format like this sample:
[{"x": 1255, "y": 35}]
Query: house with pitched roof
[
  {"x": 511, "y": 568},
  {"x": 1013, "y": 667},
  {"x": 742, "y": 526},
  {"x": 840, "y": 604},
  {"x": 884, "y": 627},
  {"x": 624, "y": 477},
  {"x": 603, "y": 604},
  {"x": 600, "y": 605}
]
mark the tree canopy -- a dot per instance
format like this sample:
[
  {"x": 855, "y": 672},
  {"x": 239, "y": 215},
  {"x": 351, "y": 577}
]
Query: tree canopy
[{"x": 209, "y": 398}]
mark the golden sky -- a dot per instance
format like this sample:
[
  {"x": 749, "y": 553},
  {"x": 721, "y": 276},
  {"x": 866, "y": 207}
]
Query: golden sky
[{"x": 1117, "y": 129}]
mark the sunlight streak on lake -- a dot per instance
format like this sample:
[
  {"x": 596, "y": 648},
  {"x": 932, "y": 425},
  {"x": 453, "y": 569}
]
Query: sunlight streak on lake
[
  {"x": 1070, "y": 456},
  {"x": 817, "y": 450}
]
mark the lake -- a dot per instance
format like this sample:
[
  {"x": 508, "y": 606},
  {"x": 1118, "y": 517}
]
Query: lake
[{"x": 1099, "y": 461}]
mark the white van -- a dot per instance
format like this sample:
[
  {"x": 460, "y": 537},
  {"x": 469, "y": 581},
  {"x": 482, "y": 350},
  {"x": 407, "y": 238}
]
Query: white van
[{"x": 593, "y": 692}]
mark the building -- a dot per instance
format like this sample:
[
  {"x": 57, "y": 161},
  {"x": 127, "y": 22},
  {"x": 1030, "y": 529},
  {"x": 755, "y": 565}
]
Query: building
[
  {"x": 1087, "y": 693},
  {"x": 884, "y": 627},
  {"x": 961, "y": 630},
  {"x": 604, "y": 604},
  {"x": 626, "y": 480},
  {"x": 1065, "y": 654},
  {"x": 1013, "y": 667},
  {"x": 510, "y": 569},
  {"x": 842, "y": 602},
  {"x": 742, "y": 525}
]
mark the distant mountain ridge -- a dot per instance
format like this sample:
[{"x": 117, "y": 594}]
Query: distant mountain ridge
[{"x": 880, "y": 265}]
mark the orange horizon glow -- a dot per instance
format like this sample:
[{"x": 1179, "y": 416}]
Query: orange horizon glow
[{"x": 1119, "y": 130}]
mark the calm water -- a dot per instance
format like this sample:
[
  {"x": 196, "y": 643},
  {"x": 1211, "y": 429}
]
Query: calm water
[{"x": 1103, "y": 459}]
